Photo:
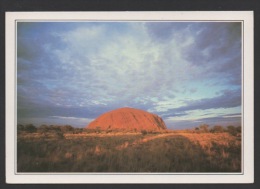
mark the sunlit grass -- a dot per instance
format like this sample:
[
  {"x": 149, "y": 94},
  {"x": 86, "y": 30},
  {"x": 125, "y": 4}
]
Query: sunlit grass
[{"x": 129, "y": 152}]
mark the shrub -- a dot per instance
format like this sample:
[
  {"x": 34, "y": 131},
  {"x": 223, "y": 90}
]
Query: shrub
[
  {"x": 43, "y": 128},
  {"x": 20, "y": 127},
  {"x": 238, "y": 128},
  {"x": 98, "y": 129},
  {"x": 231, "y": 130},
  {"x": 108, "y": 131},
  {"x": 66, "y": 128},
  {"x": 204, "y": 128},
  {"x": 30, "y": 128},
  {"x": 217, "y": 129},
  {"x": 77, "y": 130}
]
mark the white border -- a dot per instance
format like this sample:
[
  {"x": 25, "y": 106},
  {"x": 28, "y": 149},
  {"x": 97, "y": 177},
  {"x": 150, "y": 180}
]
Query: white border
[{"x": 248, "y": 88}]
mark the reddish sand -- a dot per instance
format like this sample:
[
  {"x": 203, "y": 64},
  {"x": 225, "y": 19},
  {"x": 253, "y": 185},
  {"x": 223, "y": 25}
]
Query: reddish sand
[{"x": 128, "y": 119}]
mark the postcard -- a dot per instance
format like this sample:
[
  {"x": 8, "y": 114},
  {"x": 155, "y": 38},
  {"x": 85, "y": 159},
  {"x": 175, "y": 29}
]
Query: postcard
[{"x": 129, "y": 97}]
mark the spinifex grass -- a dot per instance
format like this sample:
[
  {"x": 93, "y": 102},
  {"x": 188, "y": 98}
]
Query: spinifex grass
[{"x": 170, "y": 152}]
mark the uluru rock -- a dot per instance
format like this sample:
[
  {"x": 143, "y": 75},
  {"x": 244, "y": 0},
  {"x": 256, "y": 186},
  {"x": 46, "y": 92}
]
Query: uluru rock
[{"x": 128, "y": 119}]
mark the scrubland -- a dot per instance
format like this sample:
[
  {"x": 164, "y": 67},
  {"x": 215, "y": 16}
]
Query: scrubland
[{"x": 77, "y": 150}]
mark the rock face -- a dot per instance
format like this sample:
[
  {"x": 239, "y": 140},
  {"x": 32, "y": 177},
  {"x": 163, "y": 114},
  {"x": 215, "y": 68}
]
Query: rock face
[{"x": 129, "y": 119}]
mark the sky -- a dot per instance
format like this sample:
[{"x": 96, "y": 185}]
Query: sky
[{"x": 188, "y": 73}]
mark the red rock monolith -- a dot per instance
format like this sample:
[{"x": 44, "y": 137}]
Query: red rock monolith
[{"x": 129, "y": 119}]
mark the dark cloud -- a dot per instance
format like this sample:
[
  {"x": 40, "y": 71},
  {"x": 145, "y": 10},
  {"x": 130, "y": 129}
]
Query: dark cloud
[
  {"x": 166, "y": 30},
  {"x": 217, "y": 48},
  {"x": 219, "y": 120},
  {"x": 44, "y": 111},
  {"x": 219, "y": 38},
  {"x": 172, "y": 114},
  {"x": 233, "y": 115},
  {"x": 211, "y": 121},
  {"x": 228, "y": 99}
]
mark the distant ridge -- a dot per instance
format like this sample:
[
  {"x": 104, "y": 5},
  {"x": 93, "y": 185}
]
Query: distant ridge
[{"x": 130, "y": 119}]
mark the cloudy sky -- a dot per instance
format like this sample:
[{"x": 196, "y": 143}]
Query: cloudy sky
[{"x": 189, "y": 73}]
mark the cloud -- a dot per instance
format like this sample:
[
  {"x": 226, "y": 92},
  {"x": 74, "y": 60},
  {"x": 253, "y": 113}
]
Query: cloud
[
  {"x": 119, "y": 65},
  {"x": 212, "y": 111},
  {"x": 232, "y": 116},
  {"x": 77, "y": 122},
  {"x": 166, "y": 30},
  {"x": 217, "y": 48},
  {"x": 223, "y": 120},
  {"x": 74, "y": 120},
  {"x": 228, "y": 99},
  {"x": 84, "y": 69},
  {"x": 213, "y": 47}
]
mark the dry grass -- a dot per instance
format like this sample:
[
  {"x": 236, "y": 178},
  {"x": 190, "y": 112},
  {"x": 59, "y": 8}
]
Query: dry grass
[
  {"x": 129, "y": 152},
  {"x": 80, "y": 135},
  {"x": 206, "y": 139}
]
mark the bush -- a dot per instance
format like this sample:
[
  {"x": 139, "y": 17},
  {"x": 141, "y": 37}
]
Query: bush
[
  {"x": 66, "y": 128},
  {"x": 20, "y": 127},
  {"x": 217, "y": 129},
  {"x": 30, "y": 128},
  {"x": 204, "y": 128},
  {"x": 238, "y": 128},
  {"x": 232, "y": 130},
  {"x": 43, "y": 129}
]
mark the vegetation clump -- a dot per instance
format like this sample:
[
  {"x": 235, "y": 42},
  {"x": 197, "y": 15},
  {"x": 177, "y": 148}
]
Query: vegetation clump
[{"x": 204, "y": 128}]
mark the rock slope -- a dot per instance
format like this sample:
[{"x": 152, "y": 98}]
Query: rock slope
[{"x": 129, "y": 119}]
